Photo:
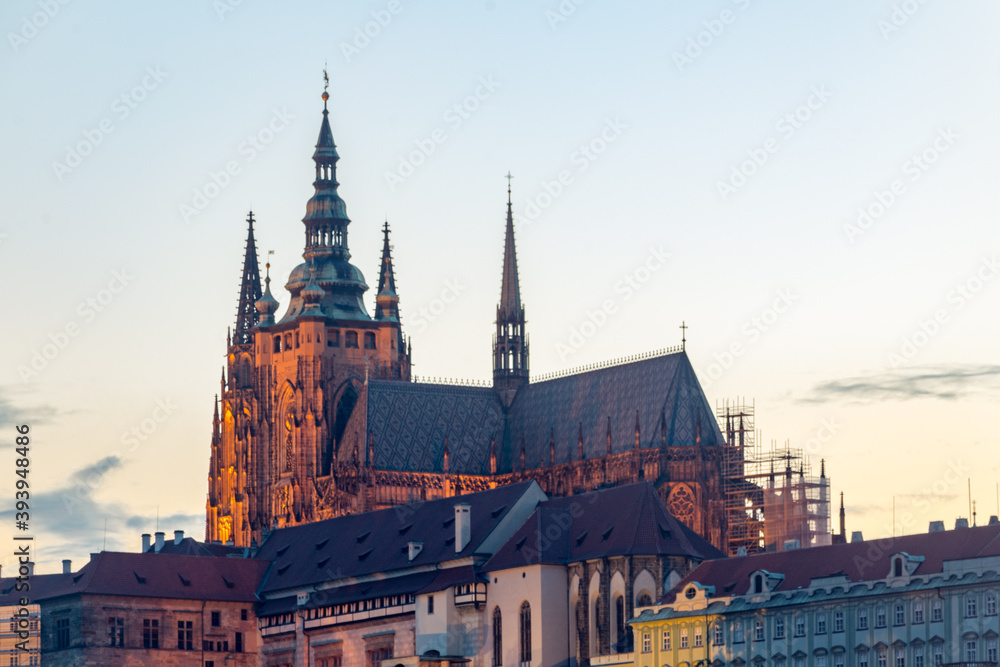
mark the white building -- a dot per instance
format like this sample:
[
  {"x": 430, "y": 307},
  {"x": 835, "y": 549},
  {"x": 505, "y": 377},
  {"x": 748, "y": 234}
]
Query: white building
[{"x": 911, "y": 601}]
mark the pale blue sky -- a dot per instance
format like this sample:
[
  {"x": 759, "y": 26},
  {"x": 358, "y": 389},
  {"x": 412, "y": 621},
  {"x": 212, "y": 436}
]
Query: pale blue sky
[{"x": 677, "y": 130}]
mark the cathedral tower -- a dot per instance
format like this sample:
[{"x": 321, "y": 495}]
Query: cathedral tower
[{"x": 510, "y": 344}]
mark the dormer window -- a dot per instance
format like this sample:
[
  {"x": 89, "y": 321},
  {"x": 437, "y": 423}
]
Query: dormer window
[
  {"x": 897, "y": 566},
  {"x": 758, "y": 584}
]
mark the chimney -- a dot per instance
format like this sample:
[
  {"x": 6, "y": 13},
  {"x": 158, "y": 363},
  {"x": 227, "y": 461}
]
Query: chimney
[
  {"x": 994, "y": 520},
  {"x": 414, "y": 549},
  {"x": 67, "y": 566},
  {"x": 178, "y": 537},
  {"x": 936, "y": 527},
  {"x": 145, "y": 542},
  {"x": 961, "y": 523},
  {"x": 856, "y": 536},
  {"x": 463, "y": 526},
  {"x": 159, "y": 541}
]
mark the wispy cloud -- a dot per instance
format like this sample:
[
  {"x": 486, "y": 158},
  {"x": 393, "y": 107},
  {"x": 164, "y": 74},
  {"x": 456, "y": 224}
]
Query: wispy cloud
[
  {"x": 14, "y": 413},
  {"x": 944, "y": 381}
]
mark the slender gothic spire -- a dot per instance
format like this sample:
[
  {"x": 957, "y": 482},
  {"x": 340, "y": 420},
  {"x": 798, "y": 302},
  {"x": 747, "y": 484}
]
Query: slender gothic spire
[
  {"x": 387, "y": 301},
  {"x": 326, "y": 213},
  {"x": 510, "y": 291},
  {"x": 246, "y": 312},
  {"x": 510, "y": 343}
]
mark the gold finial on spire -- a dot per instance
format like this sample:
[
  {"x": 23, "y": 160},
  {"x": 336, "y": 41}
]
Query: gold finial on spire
[
  {"x": 509, "y": 177},
  {"x": 267, "y": 266}
]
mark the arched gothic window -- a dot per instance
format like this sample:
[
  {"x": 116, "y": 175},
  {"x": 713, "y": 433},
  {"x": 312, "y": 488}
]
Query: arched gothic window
[{"x": 525, "y": 632}]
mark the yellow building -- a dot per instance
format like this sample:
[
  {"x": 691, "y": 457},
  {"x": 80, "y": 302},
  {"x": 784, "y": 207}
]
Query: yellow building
[{"x": 680, "y": 640}]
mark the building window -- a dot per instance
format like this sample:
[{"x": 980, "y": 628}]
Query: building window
[
  {"x": 116, "y": 632},
  {"x": 800, "y": 662},
  {"x": 758, "y": 630},
  {"x": 779, "y": 662},
  {"x": 698, "y": 638},
  {"x": 838, "y": 621},
  {"x": 238, "y": 642},
  {"x": 918, "y": 612},
  {"x": 684, "y": 638},
  {"x": 991, "y": 651},
  {"x": 881, "y": 658},
  {"x": 185, "y": 635},
  {"x": 351, "y": 339},
  {"x": 717, "y": 634},
  {"x": 497, "y": 638},
  {"x": 647, "y": 644},
  {"x": 970, "y": 650},
  {"x": 879, "y": 617},
  {"x": 331, "y": 661},
  {"x": 619, "y": 624},
  {"x": 838, "y": 660},
  {"x": 918, "y": 656},
  {"x": 333, "y": 338},
  {"x": 900, "y": 660},
  {"x": 938, "y": 653},
  {"x": 296, "y": 340},
  {"x": 862, "y": 619},
  {"x": 216, "y": 619},
  {"x": 243, "y": 614},
  {"x": 897, "y": 567},
  {"x": 377, "y": 655},
  {"x": 899, "y": 615},
  {"x": 150, "y": 633},
  {"x": 821, "y": 661},
  {"x": 738, "y": 632},
  {"x": 62, "y": 633},
  {"x": 936, "y": 613},
  {"x": 430, "y": 604},
  {"x": 369, "y": 340},
  {"x": 800, "y": 626},
  {"x": 667, "y": 640},
  {"x": 779, "y": 627},
  {"x": 758, "y": 583},
  {"x": 970, "y": 606},
  {"x": 821, "y": 624},
  {"x": 525, "y": 632},
  {"x": 862, "y": 658},
  {"x": 991, "y": 604}
]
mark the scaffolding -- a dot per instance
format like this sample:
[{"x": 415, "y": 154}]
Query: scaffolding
[{"x": 773, "y": 502}]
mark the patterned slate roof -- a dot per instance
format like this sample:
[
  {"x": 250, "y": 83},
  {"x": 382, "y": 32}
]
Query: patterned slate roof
[
  {"x": 664, "y": 385},
  {"x": 623, "y": 520},
  {"x": 409, "y": 423}
]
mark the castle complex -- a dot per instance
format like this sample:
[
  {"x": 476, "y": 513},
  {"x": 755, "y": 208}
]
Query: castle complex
[{"x": 319, "y": 417}]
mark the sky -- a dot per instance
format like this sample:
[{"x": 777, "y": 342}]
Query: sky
[{"x": 809, "y": 187}]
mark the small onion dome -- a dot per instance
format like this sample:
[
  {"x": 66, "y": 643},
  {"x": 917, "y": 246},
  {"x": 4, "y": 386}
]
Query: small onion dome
[
  {"x": 267, "y": 305},
  {"x": 312, "y": 293}
]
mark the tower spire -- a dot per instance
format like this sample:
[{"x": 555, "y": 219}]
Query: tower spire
[
  {"x": 387, "y": 301},
  {"x": 246, "y": 312},
  {"x": 510, "y": 345}
]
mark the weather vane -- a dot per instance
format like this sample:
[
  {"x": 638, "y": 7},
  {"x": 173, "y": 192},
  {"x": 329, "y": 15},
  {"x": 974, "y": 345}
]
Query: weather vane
[
  {"x": 326, "y": 78},
  {"x": 267, "y": 266}
]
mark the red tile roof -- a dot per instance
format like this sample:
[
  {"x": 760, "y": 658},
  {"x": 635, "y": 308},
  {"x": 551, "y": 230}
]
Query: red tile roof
[
  {"x": 152, "y": 576},
  {"x": 858, "y": 561}
]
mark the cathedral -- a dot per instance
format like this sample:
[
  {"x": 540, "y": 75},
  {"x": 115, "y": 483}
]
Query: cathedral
[{"x": 318, "y": 416}]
